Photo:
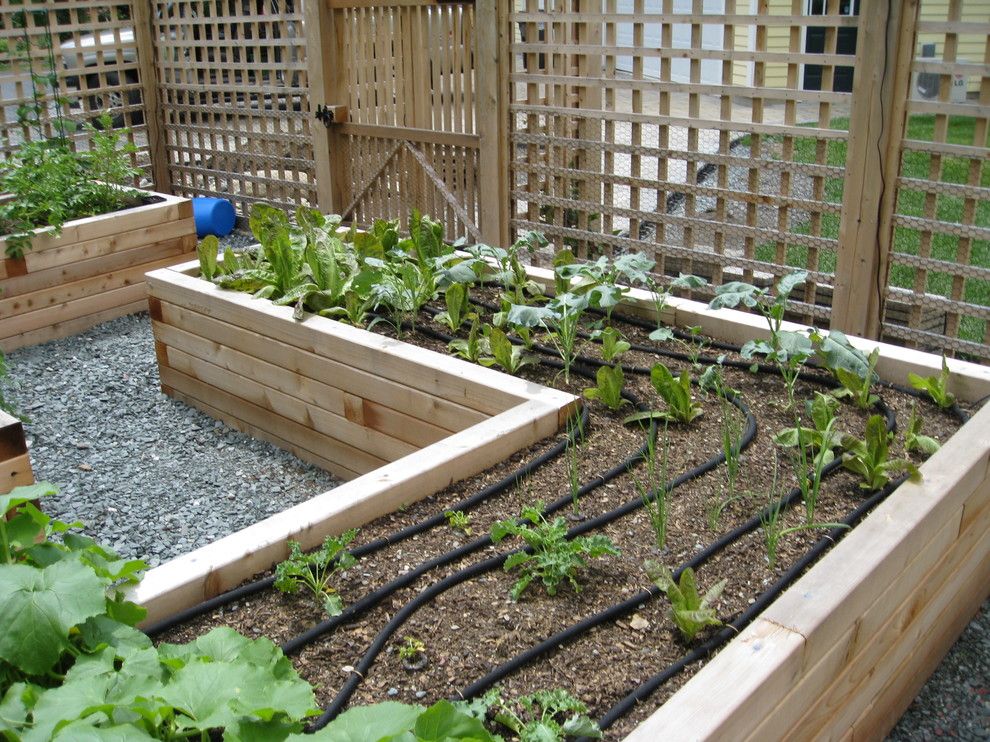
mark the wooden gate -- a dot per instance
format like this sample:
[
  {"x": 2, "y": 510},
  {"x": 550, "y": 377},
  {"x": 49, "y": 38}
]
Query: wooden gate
[{"x": 400, "y": 86}]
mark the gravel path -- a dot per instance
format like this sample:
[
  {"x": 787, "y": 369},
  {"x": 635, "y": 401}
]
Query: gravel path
[{"x": 148, "y": 475}]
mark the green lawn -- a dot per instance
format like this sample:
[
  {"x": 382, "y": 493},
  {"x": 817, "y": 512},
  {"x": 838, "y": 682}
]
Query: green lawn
[{"x": 912, "y": 203}]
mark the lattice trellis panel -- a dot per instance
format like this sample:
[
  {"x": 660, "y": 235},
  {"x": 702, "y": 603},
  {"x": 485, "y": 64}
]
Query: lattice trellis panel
[
  {"x": 91, "y": 48},
  {"x": 235, "y": 100},
  {"x": 410, "y": 140},
  {"x": 940, "y": 262},
  {"x": 682, "y": 128}
]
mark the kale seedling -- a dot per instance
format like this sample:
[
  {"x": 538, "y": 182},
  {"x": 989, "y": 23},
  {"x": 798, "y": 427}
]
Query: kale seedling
[
  {"x": 555, "y": 558},
  {"x": 611, "y": 381},
  {"x": 681, "y": 406},
  {"x": 315, "y": 570},
  {"x": 870, "y": 458},
  {"x": 689, "y": 610},
  {"x": 854, "y": 370},
  {"x": 544, "y": 716},
  {"x": 936, "y": 386}
]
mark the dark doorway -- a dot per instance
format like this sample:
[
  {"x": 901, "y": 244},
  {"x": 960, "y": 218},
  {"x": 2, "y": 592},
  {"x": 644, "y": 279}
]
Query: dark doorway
[{"x": 845, "y": 43}]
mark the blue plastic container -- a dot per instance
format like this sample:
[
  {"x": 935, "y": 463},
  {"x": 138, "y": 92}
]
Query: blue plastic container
[{"x": 213, "y": 216}]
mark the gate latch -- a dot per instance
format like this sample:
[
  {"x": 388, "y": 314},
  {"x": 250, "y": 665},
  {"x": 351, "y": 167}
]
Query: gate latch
[{"x": 331, "y": 114}]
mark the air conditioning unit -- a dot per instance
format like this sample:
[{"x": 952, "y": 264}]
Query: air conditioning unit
[{"x": 925, "y": 85}]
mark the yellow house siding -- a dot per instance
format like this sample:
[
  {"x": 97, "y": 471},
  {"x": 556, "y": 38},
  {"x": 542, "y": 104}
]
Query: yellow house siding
[{"x": 970, "y": 47}]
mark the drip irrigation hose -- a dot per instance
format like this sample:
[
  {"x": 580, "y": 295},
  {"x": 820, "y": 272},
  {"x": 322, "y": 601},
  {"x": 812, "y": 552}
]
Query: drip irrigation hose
[{"x": 467, "y": 504}]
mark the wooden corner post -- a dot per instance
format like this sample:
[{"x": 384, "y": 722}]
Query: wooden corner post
[
  {"x": 324, "y": 65},
  {"x": 885, "y": 48},
  {"x": 148, "y": 70},
  {"x": 492, "y": 70}
]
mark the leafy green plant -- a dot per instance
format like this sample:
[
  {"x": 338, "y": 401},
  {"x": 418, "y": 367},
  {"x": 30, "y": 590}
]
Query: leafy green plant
[
  {"x": 72, "y": 665},
  {"x": 870, "y": 457},
  {"x": 475, "y": 346},
  {"x": 314, "y": 571},
  {"x": 852, "y": 368},
  {"x": 459, "y": 520},
  {"x": 563, "y": 323},
  {"x": 822, "y": 436},
  {"x": 458, "y": 305},
  {"x": 398, "y": 722},
  {"x": 613, "y": 344},
  {"x": 937, "y": 387},
  {"x": 813, "y": 451},
  {"x": 610, "y": 382},
  {"x": 554, "y": 557},
  {"x": 689, "y": 610},
  {"x": 788, "y": 350},
  {"x": 913, "y": 438},
  {"x": 511, "y": 358},
  {"x": 660, "y": 297},
  {"x": 543, "y": 716},
  {"x": 681, "y": 406}
]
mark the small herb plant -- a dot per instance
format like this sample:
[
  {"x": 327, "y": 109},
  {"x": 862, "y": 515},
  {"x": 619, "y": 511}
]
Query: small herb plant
[
  {"x": 870, "y": 458},
  {"x": 690, "y": 611},
  {"x": 314, "y": 571},
  {"x": 773, "y": 526},
  {"x": 937, "y": 387},
  {"x": 653, "y": 490},
  {"x": 544, "y": 716},
  {"x": 554, "y": 558},
  {"x": 459, "y": 520},
  {"x": 681, "y": 406},
  {"x": 611, "y": 381}
]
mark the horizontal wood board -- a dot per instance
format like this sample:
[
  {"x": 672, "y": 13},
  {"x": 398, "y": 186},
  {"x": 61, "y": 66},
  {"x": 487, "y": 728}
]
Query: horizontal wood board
[
  {"x": 15, "y": 466},
  {"x": 92, "y": 272}
]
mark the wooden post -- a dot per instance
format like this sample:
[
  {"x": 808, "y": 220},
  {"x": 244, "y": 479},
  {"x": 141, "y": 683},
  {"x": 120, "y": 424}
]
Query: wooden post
[
  {"x": 323, "y": 60},
  {"x": 491, "y": 66},
  {"x": 885, "y": 48},
  {"x": 148, "y": 70}
]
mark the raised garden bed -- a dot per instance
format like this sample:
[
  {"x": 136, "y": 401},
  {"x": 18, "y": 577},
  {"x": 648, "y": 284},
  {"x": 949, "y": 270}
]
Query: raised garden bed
[
  {"x": 15, "y": 466},
  {"x": 837, "y": 650},
  {"x": 92, "y": 272}
]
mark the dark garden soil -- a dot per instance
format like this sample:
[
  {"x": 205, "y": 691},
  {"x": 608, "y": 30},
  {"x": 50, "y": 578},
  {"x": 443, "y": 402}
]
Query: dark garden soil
[{"x": 474, "y": 626}]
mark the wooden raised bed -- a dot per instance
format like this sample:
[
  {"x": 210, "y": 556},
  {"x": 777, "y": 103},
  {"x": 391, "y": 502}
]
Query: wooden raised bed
[
  {"x": 91, "y": 273},
  {"x": 15, "y": 466},
  {"x": 400, "y": 421},
  {"x": 840, "y": 654}
]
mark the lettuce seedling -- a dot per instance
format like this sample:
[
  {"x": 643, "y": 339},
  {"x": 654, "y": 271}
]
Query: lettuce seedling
[
  {"x": 613, "y": 344},
  {"x": 474, "y": 347},
  {"x": 870, "y": 457},
  {"x": 456, "y": 299},
  {"x": 554, "y": 557},
  {"x": 689, "y": 610},
  {"x": 681, "y": 406},
  {"x": 314, "y": 571},
  {"x": 914, "y": 440},
  {"x": 512, "y": 358},
  {"x": 610, "y": 380},
  {"x": 936, "y": 386}
]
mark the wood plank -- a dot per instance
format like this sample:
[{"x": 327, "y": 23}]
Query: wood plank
[
  {"x": 23, "y": 305},
  {"x": 472, "y": 386},
  {"x": 208, "y": 571},
  {"x": 66, "y": 328},
  {"x": 354, "y": 408},
  {"x": 11, "y": 436},
  {"x": 410, "y": 134},
  {"x": 301, "y": 435},
  {"x": 15, "y": 472},
  {"x": 53, "y": 322},
  {"x": 313, "y": 417},
  {"x": 446, "y": 415},
  {"x": 338, "y": 470}
]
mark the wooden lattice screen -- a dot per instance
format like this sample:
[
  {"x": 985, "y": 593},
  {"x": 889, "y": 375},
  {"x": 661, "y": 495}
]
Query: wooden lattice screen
[
  {"x": 940, "y": 256},
  {"x": 234, "y": 100},
  {"x": 681, "y": 128},
  {"x": 92, "y": 50},
  {"x": 402, "y": 80}
]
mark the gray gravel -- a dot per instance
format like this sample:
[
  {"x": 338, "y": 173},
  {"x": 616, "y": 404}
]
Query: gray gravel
[{"x": 149, "y": 476}]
